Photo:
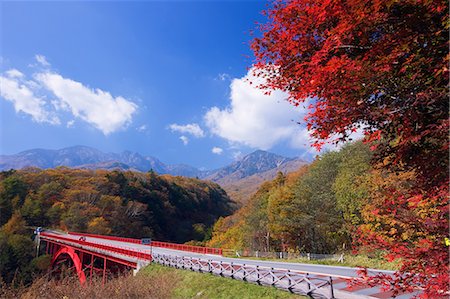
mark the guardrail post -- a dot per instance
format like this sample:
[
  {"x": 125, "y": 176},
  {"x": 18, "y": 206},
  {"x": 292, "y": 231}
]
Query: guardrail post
[
  {"x": 289, "y": 281},
  {"x": 257, "y": 275},
  {"x": 104, "y": 271},
  {"x": 307, "y": 279},
  {"x": 331, "y": 287}
]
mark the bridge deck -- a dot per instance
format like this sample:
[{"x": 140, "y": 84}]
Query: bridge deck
[{"x": 334, "y": 271}]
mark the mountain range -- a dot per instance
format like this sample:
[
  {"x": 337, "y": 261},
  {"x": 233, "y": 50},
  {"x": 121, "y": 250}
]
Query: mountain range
[{"x": 240, "y": 179}]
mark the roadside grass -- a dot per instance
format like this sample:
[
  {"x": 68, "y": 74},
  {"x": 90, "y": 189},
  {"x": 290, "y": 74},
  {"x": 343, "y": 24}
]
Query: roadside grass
[
  {"x": 152, "y": 282},
  {"x": 189, "y": 284},
  {"x": 125, "y": 286},
  {"x": 355, "y": 261}
]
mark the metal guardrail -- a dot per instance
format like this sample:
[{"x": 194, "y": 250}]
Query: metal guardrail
[
  {"x": 292, "y": 281},
  {"x": 283, "y": 255}
]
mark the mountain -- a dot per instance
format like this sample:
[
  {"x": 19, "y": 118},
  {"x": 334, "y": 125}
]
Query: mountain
[
  {"x": 240, "y": 179},
  {"x": 256, "y": 162},
  {"x": 184, "y": 170},
  {"x": 81, "y": 157}
]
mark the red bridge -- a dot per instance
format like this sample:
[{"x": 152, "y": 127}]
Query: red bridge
[{"x": 91, "y": 255}]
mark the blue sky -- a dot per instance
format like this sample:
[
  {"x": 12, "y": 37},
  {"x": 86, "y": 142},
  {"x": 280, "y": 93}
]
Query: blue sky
[{"x": 166, "y": 79}]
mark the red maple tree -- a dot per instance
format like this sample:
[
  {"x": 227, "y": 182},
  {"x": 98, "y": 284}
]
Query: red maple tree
[{"x": 381, "y": 66}]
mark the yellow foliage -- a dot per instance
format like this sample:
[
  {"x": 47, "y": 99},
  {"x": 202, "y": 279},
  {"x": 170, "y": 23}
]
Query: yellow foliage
[
  {"x": 15, "y": 225},
  {"x": 99, "y": 225}
]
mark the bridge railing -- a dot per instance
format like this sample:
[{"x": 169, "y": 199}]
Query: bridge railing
[
  {"x": 190, "y": 248},
  {"x": 115, "y": 249},
  {"x": 292, "y": 281},
  {"x": 182, "y": 247},
  {"x": 113, "y": 238}
]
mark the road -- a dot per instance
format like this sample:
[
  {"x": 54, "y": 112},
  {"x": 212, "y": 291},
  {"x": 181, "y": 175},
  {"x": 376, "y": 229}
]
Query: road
[{"x": 337, "y": 271}]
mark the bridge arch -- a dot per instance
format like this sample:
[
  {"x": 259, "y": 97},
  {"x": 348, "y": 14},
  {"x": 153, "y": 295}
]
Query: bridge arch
[{"x": 75, "y": 259}]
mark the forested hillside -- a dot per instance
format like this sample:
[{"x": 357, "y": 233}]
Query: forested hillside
[
  {"x": 129, "y": 204},
  {"x": 321, "y": 208}
]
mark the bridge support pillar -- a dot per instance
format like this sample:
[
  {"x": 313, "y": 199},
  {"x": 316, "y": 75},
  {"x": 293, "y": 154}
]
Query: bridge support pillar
[
  {"x": 65, "y": 250},
  {"x": 104, "y": 271},
  {"x": 92, "y": 268},
  {"x": 139, "y": 265},
  {"x": 135, "y": 271}
]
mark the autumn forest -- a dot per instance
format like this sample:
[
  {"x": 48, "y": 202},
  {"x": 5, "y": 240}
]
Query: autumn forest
[{"x": 137, "y": 205}]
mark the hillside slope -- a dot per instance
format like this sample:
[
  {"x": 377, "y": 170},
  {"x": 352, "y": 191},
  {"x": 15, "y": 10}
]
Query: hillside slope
[
  {"x": 128, "y": 203},
  {"x": 242, "y": 178}
]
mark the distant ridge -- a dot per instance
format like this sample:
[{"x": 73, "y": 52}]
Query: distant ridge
[
  {"x": 240, "y": 179},
  {"x": 243, "y": 177}
]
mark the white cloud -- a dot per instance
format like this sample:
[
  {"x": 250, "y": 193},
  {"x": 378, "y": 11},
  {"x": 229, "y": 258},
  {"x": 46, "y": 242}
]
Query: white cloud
[
  {"x": 237, "y": 155},
  {"x": 70, "y": 123},
  {"x": 142, "y": 128},
  {"x": 95, "y": 106},
  {"x": 217, "y": 150},
  {"x": 223, "y": 77},
  {"x": 258, "y": 120},
  {"x": 42, "y": 60},
  {"x": 184, "y": 139},
  {"x": 23, "y": 98},
  {"x": 193, "y": 129},
  {"x": 13, "y": 73},
  {"x": 253, "y": 118},
  {"x": 303, "y": 140}
]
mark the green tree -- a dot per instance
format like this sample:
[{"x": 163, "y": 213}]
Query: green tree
[
  {"x": 317, "y": 216},
  {"x": 15, "y": 225},
  {"x": 33, "y": 211},
  {"x": 279, "y": 217},
  {"x": 351, "y": 182},
  {"x": 53, "y": 214},
  {"x": 7, "y": 262},
  {"x": 12, "y": 194},
  {"x": 77, "y": 216}
]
